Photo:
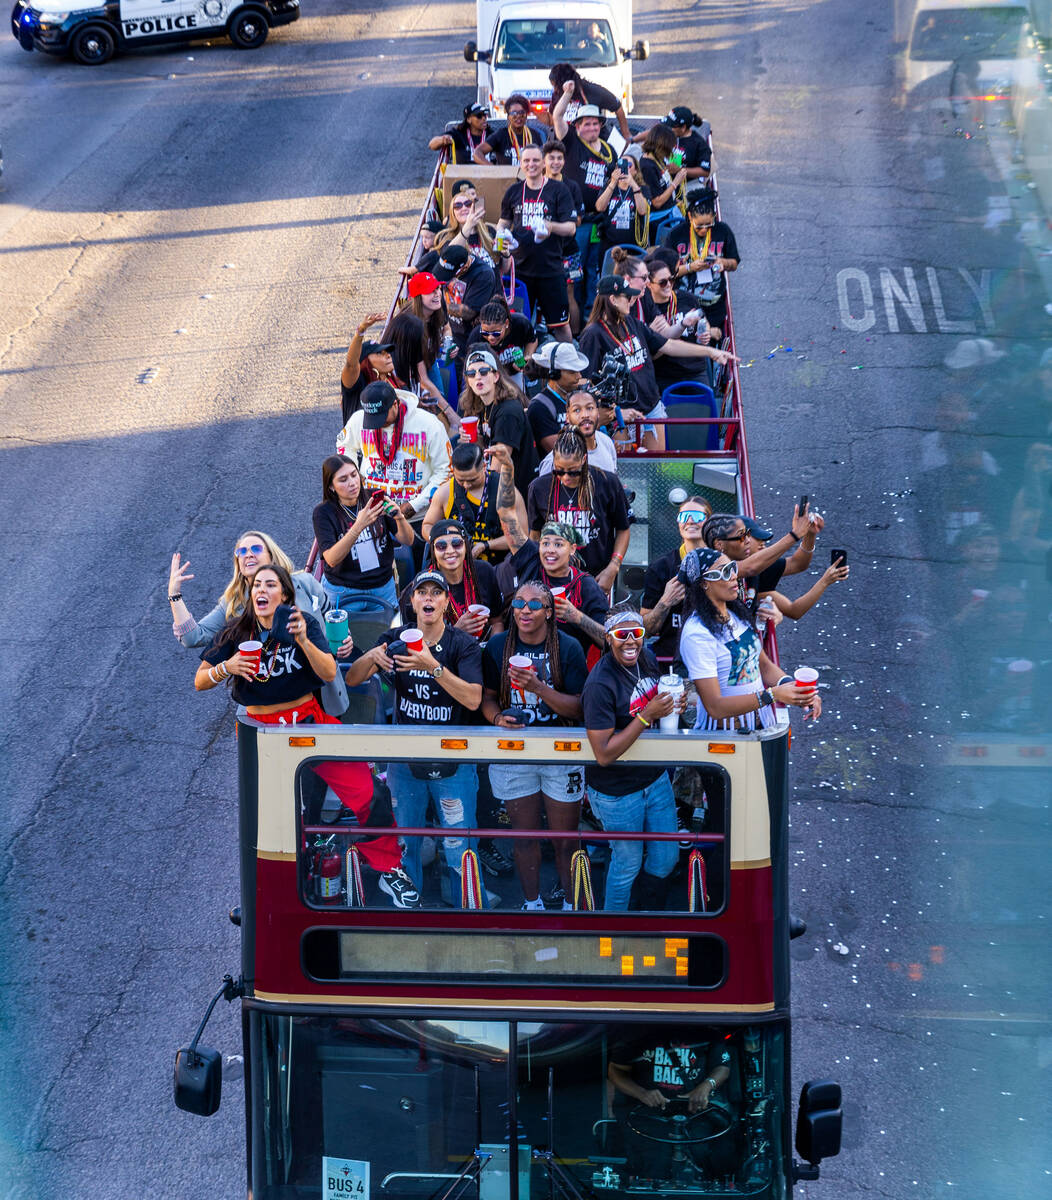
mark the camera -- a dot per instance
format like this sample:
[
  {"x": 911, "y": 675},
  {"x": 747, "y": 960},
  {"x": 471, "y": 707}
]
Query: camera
[
  {"x": 613, "y": 383},
  {"x": 625, "y": 165}
]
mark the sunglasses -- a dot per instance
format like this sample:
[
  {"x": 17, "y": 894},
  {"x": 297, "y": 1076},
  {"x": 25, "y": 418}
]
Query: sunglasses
[
  {"x": 482, "y": 372},
  {"x": 453, "y": 543},
  {"x": 726, "y": 573},
  {"x": 516, "y": 112},
  {"x": 255, "y": 548},
  {"x": 633, "y": 633},
  {"x": 492, "y": 333},
  {"x": 533, "y": 605},
  {"x": 463, "y": 203},
  {"x": 738, "y": 537},
  {"x": 661, "y": 283},
  {"x": 571, "y": 472},
  {"x": 691, "y": 517}
]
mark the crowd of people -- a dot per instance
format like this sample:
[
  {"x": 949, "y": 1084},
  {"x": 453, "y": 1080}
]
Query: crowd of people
[{"x": 486, "y": 526}]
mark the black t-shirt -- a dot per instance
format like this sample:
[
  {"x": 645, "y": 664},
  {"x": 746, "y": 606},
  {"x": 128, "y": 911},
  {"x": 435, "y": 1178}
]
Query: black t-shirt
[
  {"x": 589, "y": 170},
  {"x": 421, "y": 700},
  {"x": 611, "y": 698},
  {"x": 463, "y": 149},
  {"x": 570, "y": 241},
  {"x": 546, "y": 415},
  {"x": 637, "y": 348},
  {"x": 487, "y": 592},
  {"x": 504, "y": 152},
  {"x": 619, "y": 221},
  {"x": 473, "y": 289},
  {"x": 520, "y": 335},
  {"x": 285, "y": 674},
  {"x": 520, "y": 206},
  {"x": 657, "y": 575},
  {"x": 481, "y": 519},
  {"x": 696, "y": 151},
  {"x": 583, "y": 592},
  {"x": 369, "y": 562},
  {"x": 594, "y": 93},
  {"x": 657, "y": 180},
  {"x": 598, "y": 525},
  {"x": 571, "y": 659},
  {"x": 722, "y": 244},
  {"x": 676, "y": 1067},
  {"x": 752, "y": 587},
  {"x": 506, "y": 422}
]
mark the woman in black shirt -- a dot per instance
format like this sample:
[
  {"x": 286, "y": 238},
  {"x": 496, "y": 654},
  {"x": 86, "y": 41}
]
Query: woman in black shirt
[
  {"x": 356, "y": 531},
  {"x": 470, "y": 582},
  {"x": 658, "y": 145},
  {"x": 294, "y": 663},
  {"x": 501, "y": 411},
  {"x": 462, "y": 140},
  {"x": 624, "y": 208}
]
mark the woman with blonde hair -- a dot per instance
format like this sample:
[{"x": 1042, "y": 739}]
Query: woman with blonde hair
[
  {"x": 466, "y": 226},
  {"x": 252, "y": 550}
]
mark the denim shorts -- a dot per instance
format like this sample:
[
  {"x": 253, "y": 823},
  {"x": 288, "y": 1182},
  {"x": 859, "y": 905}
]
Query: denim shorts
[
  {"x": 659, "y": 410},
  {"x": 512, "y": 781}
]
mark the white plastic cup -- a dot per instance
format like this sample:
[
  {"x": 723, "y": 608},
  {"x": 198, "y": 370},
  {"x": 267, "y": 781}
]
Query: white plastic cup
[
  {"x": 413, "y": 638},
  {"x": 670, "y": 685}
]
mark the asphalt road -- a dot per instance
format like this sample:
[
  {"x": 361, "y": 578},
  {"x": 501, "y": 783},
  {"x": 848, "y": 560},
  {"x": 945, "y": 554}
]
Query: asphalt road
[{"x": 186, "y": 239}]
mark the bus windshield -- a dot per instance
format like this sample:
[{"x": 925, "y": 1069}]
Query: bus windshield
[
  {"x": 368, "y": 1107},
  {"x": 535, "y": 44},
  {"x": 945, "y": 35}
]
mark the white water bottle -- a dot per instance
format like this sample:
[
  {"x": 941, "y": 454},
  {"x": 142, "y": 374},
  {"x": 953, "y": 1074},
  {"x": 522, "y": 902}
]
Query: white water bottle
[{"x": 671, "y": 685}]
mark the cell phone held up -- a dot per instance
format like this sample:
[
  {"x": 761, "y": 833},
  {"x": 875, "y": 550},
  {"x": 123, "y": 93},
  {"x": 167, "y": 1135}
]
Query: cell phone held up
[{"x": 837, "y": 554}]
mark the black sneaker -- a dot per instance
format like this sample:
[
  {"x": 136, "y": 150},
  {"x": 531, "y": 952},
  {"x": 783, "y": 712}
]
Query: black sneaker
[
  {"x": 397, "y": 884},
  {"x": 556, "y": 897},
  {"x": 493, "y": 860}
]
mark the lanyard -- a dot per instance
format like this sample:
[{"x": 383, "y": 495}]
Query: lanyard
[{"x": 694, "y": 253}]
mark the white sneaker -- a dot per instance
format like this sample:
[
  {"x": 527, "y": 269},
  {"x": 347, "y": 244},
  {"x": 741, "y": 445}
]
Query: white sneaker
[{"x": 397, "y": 884}]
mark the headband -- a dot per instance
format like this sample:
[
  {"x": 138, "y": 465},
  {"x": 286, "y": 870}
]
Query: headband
[{"x": 621, "y": 618}]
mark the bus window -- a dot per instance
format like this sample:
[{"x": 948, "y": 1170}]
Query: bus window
[
  {"x": 353, "y": 828},
  {"x": 399, "y": 1107}
]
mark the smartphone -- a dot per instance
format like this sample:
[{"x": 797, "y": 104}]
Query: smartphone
[
  {"x": 803, "y": 505},
  {"x": 835, "y": 554},
  {"x": 279, "y": 630}
]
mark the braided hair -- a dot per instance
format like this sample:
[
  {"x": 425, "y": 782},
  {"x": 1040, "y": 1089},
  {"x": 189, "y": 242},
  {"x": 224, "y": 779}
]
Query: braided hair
[
  {"x": 551, "y": 643},
  {"x": 571, "y": 444}
]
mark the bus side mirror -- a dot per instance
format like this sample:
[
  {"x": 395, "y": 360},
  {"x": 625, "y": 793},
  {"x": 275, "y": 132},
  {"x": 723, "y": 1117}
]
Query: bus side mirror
[
  {"x": 819, "y": 1122},
  {"x": 198, "y": 1080}
]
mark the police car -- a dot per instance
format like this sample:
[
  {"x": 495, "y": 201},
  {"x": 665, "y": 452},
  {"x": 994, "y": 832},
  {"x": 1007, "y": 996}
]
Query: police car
[{"x": 93, "y": 32}]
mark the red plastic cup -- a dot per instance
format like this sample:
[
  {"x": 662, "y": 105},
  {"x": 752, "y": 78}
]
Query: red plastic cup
[
  {"x": 469, "y": 429},
  {"x": 413, "y": 638},
  {"x": 557, "y": 592},
  {"x": 253, "y": 651},
  {"x": 806, "y": 677},
  {"x": 523, "y": 664},
  {"x": 479, "y": 610}
]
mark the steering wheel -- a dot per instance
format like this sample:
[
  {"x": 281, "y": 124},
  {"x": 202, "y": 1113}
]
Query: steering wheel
[{"x": 674, "y": 1125}]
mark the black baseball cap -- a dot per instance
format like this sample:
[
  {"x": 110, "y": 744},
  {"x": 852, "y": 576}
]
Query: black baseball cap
[
  {"x": 475, "y": 110},
  {"x": 451, "y": 260},
  {"x": 426, "y": 577},
  {"x": 615, "y": 285},
  {"x": 680, "y": 115},
  {"x": 462, "y": 185},
  {"x": 376, "y": 400},
  {"x": 755, "y": 530},
  {"x": 376, "y": 348}
]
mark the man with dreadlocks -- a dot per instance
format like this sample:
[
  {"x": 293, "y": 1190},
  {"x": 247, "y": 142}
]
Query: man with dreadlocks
[
  {"x": 547, "y": 693},
  {"x": 589, "y": 500},
  {"x": 580, "y": 605}
]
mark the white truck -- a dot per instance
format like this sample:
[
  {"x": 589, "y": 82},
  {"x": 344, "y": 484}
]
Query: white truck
[{"x": 518, "y": 42}]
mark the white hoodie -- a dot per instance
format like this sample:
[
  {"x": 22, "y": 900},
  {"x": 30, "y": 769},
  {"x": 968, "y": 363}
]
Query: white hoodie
[{"x": 421, "y": 462}]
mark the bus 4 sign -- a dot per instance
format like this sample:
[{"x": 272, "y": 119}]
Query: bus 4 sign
[{"x": 344, "y": 1179}]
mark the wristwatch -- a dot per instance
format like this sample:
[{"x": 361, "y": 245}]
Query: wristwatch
[
  {"x": 437, "y": 671},
  {"x": 765, "y": 697}
]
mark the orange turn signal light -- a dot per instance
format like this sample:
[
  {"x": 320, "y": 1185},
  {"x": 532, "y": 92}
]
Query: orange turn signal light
[
  {"x": 572, "y": 747},
  {"x": 301, "y": 741},
  {"x": 454, "y": 743},
  {"x": 510, "y": 744},
  {"x": 721, "y": 747}
]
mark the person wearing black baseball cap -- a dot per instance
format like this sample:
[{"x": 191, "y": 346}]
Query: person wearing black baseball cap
[
  {"x": 468, "y": 283},
  {"x": 438, "y": 685},
  {"x": 507, "y": 143},
  {"x": 462, "y": 140},
  {"x": 707, "y": 251},
  {"x": 695, "y": 154},
  {"x": 366, "y": 362},
  {"x": 612, "y": 330}
]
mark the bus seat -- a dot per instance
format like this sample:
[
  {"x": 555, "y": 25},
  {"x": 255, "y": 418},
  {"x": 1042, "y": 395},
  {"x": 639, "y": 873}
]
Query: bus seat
[
  {"x": 520, "y": 296},
  {"x": 366, "y": 705},
  {"x": 689, "y": 399},
  {"x": 608, "y": 258}
]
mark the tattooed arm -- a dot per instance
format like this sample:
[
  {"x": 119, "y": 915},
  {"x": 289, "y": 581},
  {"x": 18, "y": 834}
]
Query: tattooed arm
[{"x": 510, "y": 507}]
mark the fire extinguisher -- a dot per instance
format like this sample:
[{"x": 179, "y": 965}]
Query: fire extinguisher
[{"x": 328, "y": 873}]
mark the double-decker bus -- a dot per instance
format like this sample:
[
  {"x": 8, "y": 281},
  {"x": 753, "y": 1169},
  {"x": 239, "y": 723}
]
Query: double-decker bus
[{"x": 481, "y": 1050}]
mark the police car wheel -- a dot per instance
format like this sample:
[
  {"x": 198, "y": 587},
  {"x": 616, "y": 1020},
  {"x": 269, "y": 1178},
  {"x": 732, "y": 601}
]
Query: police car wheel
[
  {"x": 248, "y": 30},
  {"x": 93, "y": 45}
]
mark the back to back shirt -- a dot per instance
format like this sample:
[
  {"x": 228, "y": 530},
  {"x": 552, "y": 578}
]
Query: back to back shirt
[
  {"x": 589, "y": 169},
  {"x": 635, "y": 343},
  {"x": 550, "y": 499},
  {"x": 521, "y": 206},
  {"x": 506, "y": 146}
]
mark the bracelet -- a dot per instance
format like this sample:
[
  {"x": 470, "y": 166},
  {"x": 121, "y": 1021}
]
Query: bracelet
[
  {"x": 617, "y": 556},
  {"x": 712, "y": 1083},
  {"x": 784, "y": 679},
  {"x": 793, "y": 536},
  {"x": 222, "y": 669},
  {"x": 764, "y": 698},
  {"x": 640, "y": 717},
  {"x": 177, "y": 596}
]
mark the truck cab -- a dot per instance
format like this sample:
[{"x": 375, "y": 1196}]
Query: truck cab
[{"x": 517, "y": 44}]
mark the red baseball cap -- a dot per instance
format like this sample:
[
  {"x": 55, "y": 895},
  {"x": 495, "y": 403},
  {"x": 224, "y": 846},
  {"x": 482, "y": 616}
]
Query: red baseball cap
[{"x": 423, "y": 283}]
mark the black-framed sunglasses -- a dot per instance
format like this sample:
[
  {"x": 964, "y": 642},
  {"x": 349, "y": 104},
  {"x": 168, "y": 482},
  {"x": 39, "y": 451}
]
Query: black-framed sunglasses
[
  {"x": 662, "y": 283},
  {"x": 481, "y": 372},
  {"x": 444, "y": 544},
  {"x": 570, "y": 472},
  {"x": 726, "y": 573},
  {"x": 463, "y": 203},
  {"x": 533, "y": 605},
  {"x": 736, "y": 537}
]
